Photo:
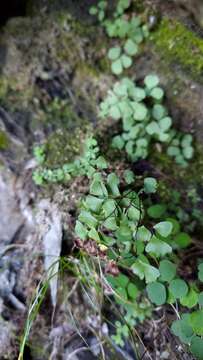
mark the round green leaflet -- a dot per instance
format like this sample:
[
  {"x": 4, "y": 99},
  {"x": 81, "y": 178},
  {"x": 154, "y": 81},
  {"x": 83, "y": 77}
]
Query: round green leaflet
[
  {"x": 188, "y": 152},
  {"x": 132, "y": 290},
  {"x": 182, "y": 239},
  {"x": 178, "y": 288},
  {"x": 173, "y": 151},
  {"x": 151, "y": 81},
  {"x": 200, "y": 300},
  {"x": 117, "y": 67},
  {"x": 158, "y": 111},
  {"x": 130, "y": 47},
  {"x": 197, "y": 347},
  {"x": 167, "y": 270},
  {"x": 156, "y": 211},
  {"x": 140, "y": 111},
  {"x": 114, "y": 112},
  {"x": 143, "y": 234},
  {"x": 190, "y": 300},
  {"x": 200, "y": 272},
  {"x": 196, "y": 321},
  {"x": 164, "y": 228},
  {"x": 152, "y": 128},
  {"x": 129, "y": 176},
  {"x": 126, "y": 61},
  {"x": 165, "y": 123},
  {"x": 157, "y": 93},
  {"x": 114, "y": 53},
  {"x": 150, "y": 185},
  {"x": 118, "y": 142},
  {"x": 156, "y": 293},
  {"x": 186, "y": 140}
]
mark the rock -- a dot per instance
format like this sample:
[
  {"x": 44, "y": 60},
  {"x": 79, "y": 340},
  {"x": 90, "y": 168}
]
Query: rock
[
  {"x": 11, "y": 220},
  {"x": 195, "y": 7},
  {"x": 6, "y": 339}
]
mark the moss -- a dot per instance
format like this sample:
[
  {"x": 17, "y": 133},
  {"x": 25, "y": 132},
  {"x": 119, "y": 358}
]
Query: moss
[
  {"x": 176, "y": 43},
  {"x": 61, "y": 147},
  {"x": 4, "y": 141}
]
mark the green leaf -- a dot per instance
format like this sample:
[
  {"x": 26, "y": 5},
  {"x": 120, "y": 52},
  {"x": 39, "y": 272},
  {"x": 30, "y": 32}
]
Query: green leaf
[
  {"x": 80, "y": 230},
  {"x": 178, "y": 288},
  {"x": 200, "y": 299},
  {"x": 102, "y": 4},
  {"x": 158, "y": 247},
  {"x": 133, "y": 291},
  {"x": 129, "y": 176},
  {"x": 156, "y": 293},
  {"x": 114, "y": 112},
  {"x": 140, "y": 111},
  {"x": 173, "y": 151},
  {"x": 176, "y": 225},
  {"x": 87, "y": 218},
  {"x": 156, "y": 211},
  {"x": 196, "y": 321},
  {"x": 101, "y": 163},
  {"x": 167, "y": 270},
  {"x": 118, "y": 142},
  {"x": 117, "y": 67},
  {"x": 151, "y": 81},
  {"x": 200, "y": 272},
  {"x": 165, "y": 123},
  {"x": 122, "y": 292},
  {"x": 197, "y": 347},
  {"x": 120, "y": 89},
  {"x": 157, "y": 93},
  {"x": 133, "y": 213},
  {"x": 113, "y": 182},
  {"x": 122, "y": 280},
  {"x": 158, "y": 111},
  {"x": 152, "y": 128},
  {"x": 137, "y": 93},
  {"x": 109, "y": 207},
  {"x": 93, "y": 234},
  {"x": 186, "y": 140},
  {"x": 130, "y": 47},
  {"x": 93, "y": 10},
  {"x": 114, "y": 53},
  {"x": 183, "y": 329},
  {"x": 143, "y": 234},
  {"x": 126, "y": 61},
  {"x": 183, "y": 240},
  {"x": 98, "y": 188},
  {"x": 93, "y": 203},
  {"x": 108, "y": 240},
  {"x": 190, "y": 300},
  {"x": 124, "y": 233},
  {"x": 164, "y": 228},
  {"x": 125, "y": 108},
  {"x": 150, "y": 185},
  {"x": 144, "y": 270},
  {"x": 188, "y": 152},
  {"x": 110, "y": 223}
]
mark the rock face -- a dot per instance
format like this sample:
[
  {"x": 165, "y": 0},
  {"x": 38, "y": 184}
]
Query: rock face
[
  {"x": 195, "y": 7},
  {"x": 52, "y": 77}
]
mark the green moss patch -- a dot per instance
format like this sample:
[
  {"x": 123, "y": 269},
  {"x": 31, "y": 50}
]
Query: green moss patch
[
  {"x": 4, "y": 141},
  {"x": 177, "y": 44}
]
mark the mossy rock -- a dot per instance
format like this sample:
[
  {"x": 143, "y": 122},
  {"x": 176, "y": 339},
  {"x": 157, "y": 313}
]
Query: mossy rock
[
  {"x": 4, "y": 140},
  {"x": 62, "y": 147},
  {"x": 177, "y": 44}
]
